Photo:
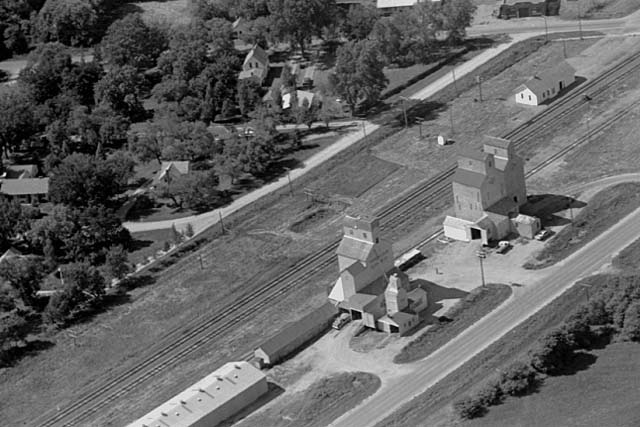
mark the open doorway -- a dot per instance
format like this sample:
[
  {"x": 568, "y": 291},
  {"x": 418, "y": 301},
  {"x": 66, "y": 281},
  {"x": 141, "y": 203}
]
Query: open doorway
[
  {"x": 475, "y": 234},
  {"x": 356, "y": 315}
]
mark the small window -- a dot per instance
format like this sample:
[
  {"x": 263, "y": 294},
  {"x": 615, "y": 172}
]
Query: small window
[
  {"x": 364, "y": 235},
  {"x": 521, "y": 95},
  {"x": 529, "y": 97},
  {"x": 351, "y": 232}
]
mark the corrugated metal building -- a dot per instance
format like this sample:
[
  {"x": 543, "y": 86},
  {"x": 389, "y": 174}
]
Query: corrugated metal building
[
  {"x": 295, "y": 334},
  {"x": 211, "y": 400}
]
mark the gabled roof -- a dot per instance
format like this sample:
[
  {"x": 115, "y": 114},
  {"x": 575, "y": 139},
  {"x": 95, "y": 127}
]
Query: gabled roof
[
  {"x": 298, "y": 328},
  {"x": 468, "y": 178},
  {"x": 397, "y": 318},
  {"x": 24, "y": 186},
  {"x": 21, "y": 171},
  {"x": 354, "y": 248},
  {"x": 360, "y": 301},
  {"x": 216, "y": 390},
  {"x": 258, "y": 54},
  {"x": 258, "y": 73},
  {"x": 383, "y": 4},
  {"x": 173, "y": 169},
  {"x": 547, "y": 79},
  {"x": 10, "y": 253}
]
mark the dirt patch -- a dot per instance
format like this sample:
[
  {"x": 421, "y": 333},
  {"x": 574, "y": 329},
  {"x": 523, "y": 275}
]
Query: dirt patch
[
  {"x": 477, "y": 304},
  {"x": 318, "y": 405},
  {"x": 604, "y": 210}
]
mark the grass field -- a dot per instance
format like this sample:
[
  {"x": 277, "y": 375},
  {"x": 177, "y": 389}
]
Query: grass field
[
  {"x": 628, "y": 258},
  {"x": 432, "y": 408},
  {"x": 604, "y": 210},
  {"x": 598, "y": 9},
  {"x": 324, "y": 401},
  {"x": 465, "y": 313},
  {"x": 259, "y": 246},
  {"x": 604, "y": 394}
]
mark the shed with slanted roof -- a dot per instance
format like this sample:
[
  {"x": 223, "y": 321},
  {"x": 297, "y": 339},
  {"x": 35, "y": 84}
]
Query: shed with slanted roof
[{"x": 546, "y": 85}]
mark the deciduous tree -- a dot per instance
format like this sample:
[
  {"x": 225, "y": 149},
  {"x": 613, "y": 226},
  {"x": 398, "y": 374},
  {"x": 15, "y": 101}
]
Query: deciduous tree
[
  {"x": 24, "y": 274},
  {"x": 72, "y": 22}
]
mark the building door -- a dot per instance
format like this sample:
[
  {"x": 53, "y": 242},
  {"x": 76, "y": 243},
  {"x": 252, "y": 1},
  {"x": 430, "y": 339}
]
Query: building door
[
  {"x": 475, "y": 234},
  {"x": 561, "y": 86},
  {"x": 394, "y": 329},
  {"x": 356, "y": 315}
]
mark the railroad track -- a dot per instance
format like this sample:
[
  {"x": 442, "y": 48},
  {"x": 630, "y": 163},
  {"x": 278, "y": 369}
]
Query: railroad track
[{"x": 182, "y": 341}]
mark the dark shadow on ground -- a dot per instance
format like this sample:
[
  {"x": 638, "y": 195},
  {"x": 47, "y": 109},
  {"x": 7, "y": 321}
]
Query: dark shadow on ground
[
  {"x": 134, "y": 282},
  {"x": 545, "y": 206},
  {"x": 581, "y": 362},
  {"x": 274, "y": 391},
  {"x": 19, "y": 352},
  {"x": 579, "y": 80}
]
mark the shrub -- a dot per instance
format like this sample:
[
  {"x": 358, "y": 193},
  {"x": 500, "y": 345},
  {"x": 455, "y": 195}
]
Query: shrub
[
  {"x": 188, "y": 231},
  {"x": 491, "y": 394},
  {"x": 469, "y": 407},
  {"x": 553, "y": 352},
  {"x": 518, "y": 379},
  {"x": 631, "y": 327}
]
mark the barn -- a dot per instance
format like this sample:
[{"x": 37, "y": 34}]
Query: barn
[
  {"x": 210, "y": 401},
  {"x": 295, "y": 334},
  {"x": 546, "y": 86}
]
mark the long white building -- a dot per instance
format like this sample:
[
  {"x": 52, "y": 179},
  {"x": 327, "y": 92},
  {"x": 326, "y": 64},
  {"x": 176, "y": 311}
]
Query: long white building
[{"x": 211, "y": 400}]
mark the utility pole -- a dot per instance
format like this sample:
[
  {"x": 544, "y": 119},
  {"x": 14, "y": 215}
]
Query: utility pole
[
  {"x": 479, "y": 81},
  {"x": 290, "y": 186},
  {"x": 364, "y": 130},
  {"x": 455, "y": 84},
  {"x": 546, "y": 30},
  {"x": 453, "y": 131},
  {"x": 404, "y": 110},
  {"x": 481, "y": 254},
  {"x": 221, "y": 223},
  {"x": 201, "y": 263},
  {"x": 580, "y": 19},
  {"x": 564, "y": 47}
]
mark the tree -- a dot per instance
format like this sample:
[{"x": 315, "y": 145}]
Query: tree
[
  {"x": 196, "y": 190},
  {"x": 44, "y": 70},
  {"x": 469, "y": 407},
  {"x": 71, "y": 22},
  {"x": 248, "y": 95},
  {"x": 518, "y": 379},
  {"x": 117, "y": 262},
  {"x": 78, "y": 81},
  {"x": 298, "y": 20},
  {"x": 81, "y": 180},
  {"x": 458, "y": 15},
  {"x": 83, "y": 292},
  {"x": 16, "y": 117},
  {"x": 120, "y": 90},
  {"x": 246, "y": 155},
  {"x": 130, "y": 41},
  {"x": 358, "y": 76},
  {"x": 15, "y": 326},
  {"x": 208, "y": 9},
  {"x": 359, "y": 22},
  {"x": 390, "y": 40},
  {"x": 553, "y": 352},
  {"x": 97, "y": 129},
  {"x": 10, "y": 215},
  {"x": 631, "y": 327},
  {"x": 24, "y": 274}
]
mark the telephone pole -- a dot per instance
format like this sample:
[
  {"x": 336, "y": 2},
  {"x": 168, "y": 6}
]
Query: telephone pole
[{"x": 481, "y": 254}]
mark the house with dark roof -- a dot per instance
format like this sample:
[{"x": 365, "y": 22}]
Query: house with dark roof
[
  {"x": 522, "y": 9},
  {"x": 488, "y": 191},
  {"x": 20, "y": 172},
  {"x": 294, "y": 335},
  {"x": 255, "y": 65},
  {"x": 546, "y": 85},
  {"x": 26, "y": 190}
]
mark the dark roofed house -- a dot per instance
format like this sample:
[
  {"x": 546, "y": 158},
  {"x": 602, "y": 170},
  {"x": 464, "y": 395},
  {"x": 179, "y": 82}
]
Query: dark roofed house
[
  {"x": 255, "y": 65},
  {"x": 295, "y": 334},
  {"x": 20, "y": 171},
  {"x": 26, "y": 190}
]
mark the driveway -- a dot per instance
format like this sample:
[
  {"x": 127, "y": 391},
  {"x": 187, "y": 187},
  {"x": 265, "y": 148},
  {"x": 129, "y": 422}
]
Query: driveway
[{"x": 525, "y": 302}]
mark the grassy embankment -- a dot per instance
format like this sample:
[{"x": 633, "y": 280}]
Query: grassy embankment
[
  {"x": 465, "y": 313},
  {"x": 605, "y": 209}
]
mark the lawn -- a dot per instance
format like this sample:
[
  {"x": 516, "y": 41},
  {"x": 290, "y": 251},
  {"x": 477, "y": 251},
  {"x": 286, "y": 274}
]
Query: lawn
[
  {"x": 465, "y": 313},
  {"x": 348, "y": 179},
  {"x": 147, "y": 243},
  {"x": 602, "y": 394},
  {"x": 324, "y": 401},
  {"x": 629, "y": 258},
  {"x": 604, "y": 210}
]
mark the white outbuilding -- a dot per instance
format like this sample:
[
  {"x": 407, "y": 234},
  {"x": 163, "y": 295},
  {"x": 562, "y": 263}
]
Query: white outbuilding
[{"x": 546, "y": 85}]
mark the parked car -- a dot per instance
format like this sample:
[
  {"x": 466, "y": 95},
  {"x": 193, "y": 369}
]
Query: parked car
[
  {"x": 341, "y": 320},
  {"x": 542, "y": 234},
  {"x": 503, "y": 247}
]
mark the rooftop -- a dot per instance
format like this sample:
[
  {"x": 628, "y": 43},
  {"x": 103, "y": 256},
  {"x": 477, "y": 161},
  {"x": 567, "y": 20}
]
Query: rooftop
[
  {"x": 468, "y": 178},
  {"x": 203, "y": 397},
  {"x": 547, "y": 79},
  {"x": 258, "y": 54},
  {"x": 24, "y": 186}
]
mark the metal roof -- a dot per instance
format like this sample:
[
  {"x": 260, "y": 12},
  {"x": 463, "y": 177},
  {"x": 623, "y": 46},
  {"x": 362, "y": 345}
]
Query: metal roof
[
  {"x": 24, "y": 186},
  {"x": 259, "y": 54},
  {"x": 360, "y": 301},
  {"x": 547, "y": 79},
  {"x": 297, "y": 328},
  {"x": 202, "y": 398},
  {"x": 468, "y": 178}
]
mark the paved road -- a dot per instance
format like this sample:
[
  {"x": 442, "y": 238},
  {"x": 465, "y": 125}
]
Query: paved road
[{"x": 525, "y": 302}]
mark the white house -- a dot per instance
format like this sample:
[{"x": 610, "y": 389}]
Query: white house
[{"x": 546, "y": 85}]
